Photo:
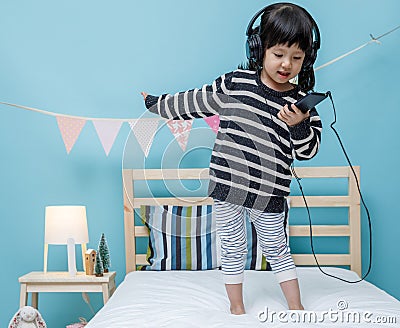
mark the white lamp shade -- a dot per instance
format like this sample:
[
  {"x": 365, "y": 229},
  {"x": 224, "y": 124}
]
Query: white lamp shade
[{"x": 63, "y": 222}]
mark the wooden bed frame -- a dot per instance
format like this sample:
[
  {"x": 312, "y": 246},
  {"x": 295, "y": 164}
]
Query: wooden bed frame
[{"x": 351, "y": 201}]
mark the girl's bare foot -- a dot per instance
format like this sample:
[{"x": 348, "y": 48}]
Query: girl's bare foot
[
  {"x": 296, "y": 307},
  {"x": 235, "y": 295},
  {"x": 238, "y": 309}
]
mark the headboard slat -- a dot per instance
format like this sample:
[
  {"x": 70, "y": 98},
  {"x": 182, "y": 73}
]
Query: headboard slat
[
  {"x": 170, "y": 174},
  {"x": 319, "y": 230},
  {"x": 320, "y": 201},
  {"x": 323, "y": 259},
  {"x": 181, "y": 201}
]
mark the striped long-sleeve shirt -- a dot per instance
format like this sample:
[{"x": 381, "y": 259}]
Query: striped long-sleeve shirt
[{"x": 253, "y": 151}]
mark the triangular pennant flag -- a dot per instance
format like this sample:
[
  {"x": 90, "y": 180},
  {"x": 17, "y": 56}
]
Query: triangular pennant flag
[
  {"x": 213, "y": 122},
  {"x": 70, "y": 129},
  {"x": 144, "y": 131},
  {"x": 181, "y": 131},
  {"x": 107, "y": 131}
]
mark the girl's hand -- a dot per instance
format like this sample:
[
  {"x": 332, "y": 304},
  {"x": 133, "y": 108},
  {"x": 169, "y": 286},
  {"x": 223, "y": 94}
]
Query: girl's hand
[
  {"x": 292, "y": 118},
  {"x": 144, "y": 94}
]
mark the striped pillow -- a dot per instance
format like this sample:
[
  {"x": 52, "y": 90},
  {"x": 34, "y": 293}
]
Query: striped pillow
[
  {"x": 180, "y": 238},
  {"x": 255, "y": 260}
]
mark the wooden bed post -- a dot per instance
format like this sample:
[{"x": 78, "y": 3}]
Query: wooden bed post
[
  {"x": 354, "y": 222},
  {"x": 129, "y": 218}
]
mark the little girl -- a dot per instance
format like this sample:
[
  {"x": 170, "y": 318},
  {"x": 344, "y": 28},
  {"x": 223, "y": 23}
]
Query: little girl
[{"x": 257, "y": 140}]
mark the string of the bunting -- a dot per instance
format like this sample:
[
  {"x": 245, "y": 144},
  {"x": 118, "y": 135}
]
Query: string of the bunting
[
  {"x": 144, "y": 129},
  {"x": 373, "y": 40},
  {"x": 73, "y": 116}
]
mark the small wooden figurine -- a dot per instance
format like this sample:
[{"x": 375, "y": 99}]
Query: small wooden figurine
[{"x": 90, "y": 260}]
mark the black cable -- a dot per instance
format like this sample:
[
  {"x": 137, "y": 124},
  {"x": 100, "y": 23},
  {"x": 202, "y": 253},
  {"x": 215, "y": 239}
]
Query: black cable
[{"x": 361, "y": 197}]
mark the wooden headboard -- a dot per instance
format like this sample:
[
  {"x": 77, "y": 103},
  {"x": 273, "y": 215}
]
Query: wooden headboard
[{"x": 351, "y": 201}]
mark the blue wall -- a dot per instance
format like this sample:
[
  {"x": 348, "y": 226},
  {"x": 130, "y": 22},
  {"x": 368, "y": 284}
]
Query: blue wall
[{"x": 92, "y": 58}]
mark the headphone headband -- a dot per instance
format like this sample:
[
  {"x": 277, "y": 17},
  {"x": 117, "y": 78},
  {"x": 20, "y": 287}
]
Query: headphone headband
[{"x": 250, "y": 29}]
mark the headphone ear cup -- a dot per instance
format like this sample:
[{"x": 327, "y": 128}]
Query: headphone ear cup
[
  {"x": 310, "y": 60},
  {"x": 254, "y": 48}
]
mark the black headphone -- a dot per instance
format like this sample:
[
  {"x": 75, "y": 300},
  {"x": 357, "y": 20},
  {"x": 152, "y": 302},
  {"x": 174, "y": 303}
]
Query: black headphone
[{"x": 254, "y": 48}]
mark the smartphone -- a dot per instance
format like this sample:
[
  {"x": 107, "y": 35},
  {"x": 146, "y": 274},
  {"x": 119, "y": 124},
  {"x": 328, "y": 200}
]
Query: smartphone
[{"x": 310, "y": 100}]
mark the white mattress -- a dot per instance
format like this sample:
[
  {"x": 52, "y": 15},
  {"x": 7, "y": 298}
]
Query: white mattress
[{"x": 198, "y": 299}]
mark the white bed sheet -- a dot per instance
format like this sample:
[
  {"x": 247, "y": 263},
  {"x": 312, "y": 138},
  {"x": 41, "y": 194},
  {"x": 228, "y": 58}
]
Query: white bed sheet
[{"x": 198, "y": 299}]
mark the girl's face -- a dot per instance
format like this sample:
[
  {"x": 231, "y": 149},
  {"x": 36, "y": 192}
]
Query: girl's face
[{"x": 280, "y": 64}]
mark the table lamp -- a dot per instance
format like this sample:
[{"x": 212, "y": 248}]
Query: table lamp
[{"x": 66, "y": 225}]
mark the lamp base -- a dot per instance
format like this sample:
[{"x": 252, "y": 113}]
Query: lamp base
[{"x": 71, "y": 256}]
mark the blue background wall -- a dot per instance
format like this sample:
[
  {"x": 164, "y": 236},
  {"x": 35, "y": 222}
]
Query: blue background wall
[{"x": 92, "y": 58}]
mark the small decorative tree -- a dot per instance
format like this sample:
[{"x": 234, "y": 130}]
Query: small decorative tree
[
  {"x": 104, "y": 253},
  {"x": 98, "y": 269}
]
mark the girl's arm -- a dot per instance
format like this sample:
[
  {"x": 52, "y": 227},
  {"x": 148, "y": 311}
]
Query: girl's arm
[
  {"x": 306, "y": 136},
  {"x": 188, "y": 105}
]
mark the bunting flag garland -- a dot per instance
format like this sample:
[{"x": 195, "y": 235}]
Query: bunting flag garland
[
  {"x": 181, "y": 131},
  {"x": 107, "y": 131},
  {"x": 70, "y": 129},
  {"x": 144, "y": 131},
  {"x": 213, "y": 122}
]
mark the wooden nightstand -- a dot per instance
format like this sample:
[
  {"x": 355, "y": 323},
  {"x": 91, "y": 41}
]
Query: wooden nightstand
[{"x": 39, "y": 282}]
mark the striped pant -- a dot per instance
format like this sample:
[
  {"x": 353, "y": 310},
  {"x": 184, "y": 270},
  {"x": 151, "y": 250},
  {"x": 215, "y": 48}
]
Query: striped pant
[{"x": 271, "y": 237}]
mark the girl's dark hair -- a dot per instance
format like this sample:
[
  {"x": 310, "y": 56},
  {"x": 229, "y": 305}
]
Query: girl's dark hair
[{"x": 286, "y": 23}]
